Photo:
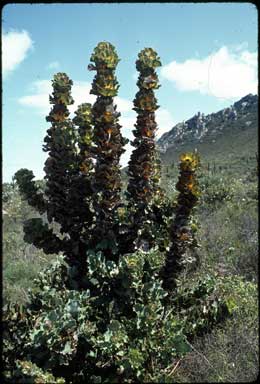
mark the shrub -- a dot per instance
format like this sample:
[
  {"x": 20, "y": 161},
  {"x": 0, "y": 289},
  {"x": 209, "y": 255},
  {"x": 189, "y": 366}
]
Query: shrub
[
  {"x": 115, "y": 327},
  {"x": 101, "y": 312},
  {"x": 216, "y": 190},
  {"x": 230, "y": 353},
  {"x": 228, "y": 234},
  {"x": 21, "y": 261}
]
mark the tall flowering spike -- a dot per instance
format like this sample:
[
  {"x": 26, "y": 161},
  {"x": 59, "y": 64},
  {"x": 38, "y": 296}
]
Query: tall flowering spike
[
  {"x": 108, "y": 143},
  {"x": 29, "y": 190},
  {"x": 156, "y": 178},
  {"x": 84, "y": 120},
  {"x": 81, "y": 191},
  {"x": 61, "y": 97},
  {"x": 61, "y": 164},
  {"x": 144, "y": 164},
  {"x": 60, "y": 145},
  {"x": 181, "y": 232}
]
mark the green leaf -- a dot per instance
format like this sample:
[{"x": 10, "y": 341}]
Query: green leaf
[
  {"x": 67, "y": 349},
  {"x": 95, "y": 379},
  {"x": 180, "y": 345}
]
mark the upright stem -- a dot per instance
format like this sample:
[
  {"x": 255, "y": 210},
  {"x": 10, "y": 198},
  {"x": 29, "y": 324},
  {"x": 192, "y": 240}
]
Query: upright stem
[
  {"x": 29, "y": 190},
  {"x": 144, "y": 169},
  {"x": 84, "y": 120},
  {"x": 81, "y": 191},
  {"x": 61, "y": 167},
  {"x": 108, "y": 144},
  {"x": 180, "y": 232}
]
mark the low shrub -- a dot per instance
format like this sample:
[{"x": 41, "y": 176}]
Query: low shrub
[
  {"x": 117, "y": 329},
  {"x": 215, "y": 190},
  {"x": 228, "y": 237},
  {"x": 230, "y": 353}
]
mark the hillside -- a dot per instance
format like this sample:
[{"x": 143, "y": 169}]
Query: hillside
[{"x": 225, "y": 136}]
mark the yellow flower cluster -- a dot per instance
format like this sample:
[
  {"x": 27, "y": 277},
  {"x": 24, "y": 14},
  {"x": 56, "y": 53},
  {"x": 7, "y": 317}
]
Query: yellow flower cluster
[
  {"x": 105, "y": 86},
  {"x": 105, "y": 55},
  {"x": 148, "y": 58},
  {"x": 83, "y": 114},
  {"x": 147, "y": 103},
  {"x": 189, "y": 161},
  {"x": 121, "y": 212},
  {"x": 59, "y": 116}
]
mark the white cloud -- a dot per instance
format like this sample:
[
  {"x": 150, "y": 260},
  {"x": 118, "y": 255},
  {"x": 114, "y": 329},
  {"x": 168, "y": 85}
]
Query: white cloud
[
  {"x": 225, "y": 74},
  {"x": 123, "y": 105},
  {"x": 80, "y": 93},
  {"x": 15, "y": 47},
  {"x": 39, "y": 99},
  {"x": 41, "y": 89},
  {"x": 240, "y": 47},
  {"x": 125, "y": 157},
  {"x": 53, "y": 65},
  {"x": 127, "y": 124},
  {"x": 164, "y": 121}
]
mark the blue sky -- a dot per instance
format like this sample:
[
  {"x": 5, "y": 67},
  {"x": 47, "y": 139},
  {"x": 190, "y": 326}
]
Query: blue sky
[{"x": 208, "y": 53}]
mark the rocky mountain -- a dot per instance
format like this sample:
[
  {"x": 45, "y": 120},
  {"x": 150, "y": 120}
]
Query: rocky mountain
[{"x": 208, "y": 128}]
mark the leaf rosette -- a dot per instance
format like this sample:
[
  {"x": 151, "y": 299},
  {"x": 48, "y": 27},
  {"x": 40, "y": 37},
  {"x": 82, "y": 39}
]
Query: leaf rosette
[{"x": 105, "y": 56}]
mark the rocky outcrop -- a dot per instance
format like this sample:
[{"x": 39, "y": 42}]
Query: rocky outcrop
[{"x": 201, "y": 126}]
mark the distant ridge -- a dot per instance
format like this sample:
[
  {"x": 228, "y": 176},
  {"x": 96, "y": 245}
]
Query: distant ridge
[{"x": 207, "y": 128}]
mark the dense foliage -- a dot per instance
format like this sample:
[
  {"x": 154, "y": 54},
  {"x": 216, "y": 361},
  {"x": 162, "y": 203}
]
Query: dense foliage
[{"x": 102, "y": 312}]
